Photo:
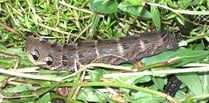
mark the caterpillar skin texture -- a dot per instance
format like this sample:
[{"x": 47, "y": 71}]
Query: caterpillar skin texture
[{"x": 111, "y": 51}]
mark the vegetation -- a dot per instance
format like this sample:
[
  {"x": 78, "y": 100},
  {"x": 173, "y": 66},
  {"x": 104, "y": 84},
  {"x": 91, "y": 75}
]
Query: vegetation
[{"x": 78, "y": 20}]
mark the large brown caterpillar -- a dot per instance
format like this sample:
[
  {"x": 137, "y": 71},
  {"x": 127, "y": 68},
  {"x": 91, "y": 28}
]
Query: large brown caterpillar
[{"x": 112, "y": 51}]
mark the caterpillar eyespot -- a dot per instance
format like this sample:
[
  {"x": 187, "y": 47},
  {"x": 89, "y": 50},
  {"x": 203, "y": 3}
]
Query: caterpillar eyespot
[
  {"x": 49, "y": 60},
  {"x": 35, "y": 54}
]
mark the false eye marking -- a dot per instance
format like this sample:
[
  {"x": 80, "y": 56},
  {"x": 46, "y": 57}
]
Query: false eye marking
[
  {"x": 49, "y": 60},
  {"x": 35, "y": 54}
]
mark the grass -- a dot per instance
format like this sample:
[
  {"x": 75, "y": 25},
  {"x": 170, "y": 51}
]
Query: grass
[{"x": 74, "y": 21}]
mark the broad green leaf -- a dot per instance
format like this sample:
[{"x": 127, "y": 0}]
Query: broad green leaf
[
  {"x": 146, "y": 14},
  {"x": 159, "y": 82},
  {"x": 185, "y": 56},
  {"x": 135, "y": 79},
  {"x": 95, "y": 74},
  {"x": 89, "y": 94},
  {"x": 44, "y": 99},
  {"x": 134, "y": 9},
  {"x": 205, "y": 82},
  {"x": 141, "y": 97},
  {"x": 19, "y": 88},
  {"x": 189, "y": 100},
  {"x": 193, "y": 82},
  {"x": 156, "y": 17},
  {"x": 199, "y": 46},
  {"x": 104, "y": 6},
  {"x": 142, "y": 80}
]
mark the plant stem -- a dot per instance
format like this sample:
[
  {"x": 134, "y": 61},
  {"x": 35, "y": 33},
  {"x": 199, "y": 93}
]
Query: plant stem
[{"x": 121, "y": 85}]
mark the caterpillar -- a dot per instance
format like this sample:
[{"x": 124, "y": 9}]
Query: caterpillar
[{"x": 111, "y": 51}]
